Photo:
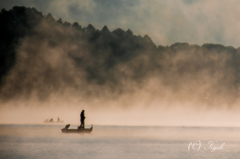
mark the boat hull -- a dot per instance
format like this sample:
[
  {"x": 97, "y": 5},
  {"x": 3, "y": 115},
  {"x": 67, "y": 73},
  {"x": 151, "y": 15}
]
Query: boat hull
[{"x": 64, "y": 130}]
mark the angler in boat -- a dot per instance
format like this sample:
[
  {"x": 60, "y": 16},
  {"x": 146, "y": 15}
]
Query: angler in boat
[
  {"x": 82, "y": 120},
  {"x": 81, "y": 128}
]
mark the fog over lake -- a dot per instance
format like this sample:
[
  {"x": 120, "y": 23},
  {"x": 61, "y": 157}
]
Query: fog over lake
[{"x": 156, "y": 79}]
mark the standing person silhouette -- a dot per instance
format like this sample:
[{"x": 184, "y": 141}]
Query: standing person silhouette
[{"x": 82, "y": 119}]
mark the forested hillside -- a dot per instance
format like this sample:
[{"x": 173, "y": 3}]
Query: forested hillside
[{"x": 42, "y": 56}]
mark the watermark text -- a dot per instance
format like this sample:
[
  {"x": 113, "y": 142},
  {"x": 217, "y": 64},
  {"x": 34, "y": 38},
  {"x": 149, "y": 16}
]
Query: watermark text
[{"x": 211, "y": 146}]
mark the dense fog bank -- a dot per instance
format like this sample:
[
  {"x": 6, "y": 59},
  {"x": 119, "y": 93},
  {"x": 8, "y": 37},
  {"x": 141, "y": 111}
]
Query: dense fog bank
[{"x": 44, "y": 58}]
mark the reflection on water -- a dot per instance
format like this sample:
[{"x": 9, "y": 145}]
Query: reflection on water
[{"x": 47, "y": 141}]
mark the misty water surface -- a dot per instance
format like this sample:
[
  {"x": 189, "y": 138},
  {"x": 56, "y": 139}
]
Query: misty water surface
[{"x": 47, "y": 141}]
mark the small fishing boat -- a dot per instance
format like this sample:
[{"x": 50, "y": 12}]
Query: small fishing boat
[
  {"x": 78, "y": 130},
  {"x": 52, "y": 121}
]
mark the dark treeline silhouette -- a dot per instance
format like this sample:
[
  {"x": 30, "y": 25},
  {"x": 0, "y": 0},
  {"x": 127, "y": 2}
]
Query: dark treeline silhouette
[{"x": 41, "y": 55}]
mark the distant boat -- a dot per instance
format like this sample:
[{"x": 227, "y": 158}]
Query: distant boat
[
  {"x": 79, "y": 130},
  {"x": 51, "y": 121}
]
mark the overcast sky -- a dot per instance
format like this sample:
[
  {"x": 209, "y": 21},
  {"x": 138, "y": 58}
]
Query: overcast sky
[{"x": 166, "y": 22}]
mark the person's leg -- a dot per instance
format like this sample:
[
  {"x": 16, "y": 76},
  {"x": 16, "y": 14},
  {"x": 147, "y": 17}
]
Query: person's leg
[{"x": 82, "y": 124}]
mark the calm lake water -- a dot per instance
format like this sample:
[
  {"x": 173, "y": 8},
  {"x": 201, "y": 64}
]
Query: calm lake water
[{"x": 118, "y": 142}]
